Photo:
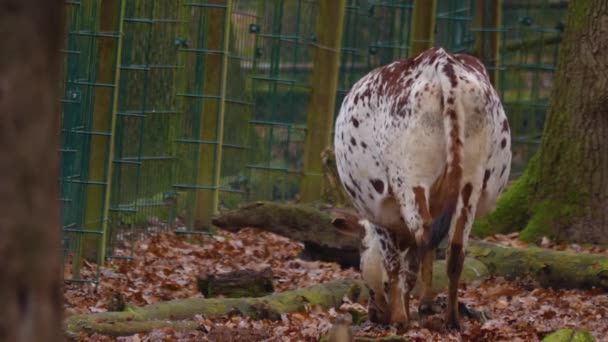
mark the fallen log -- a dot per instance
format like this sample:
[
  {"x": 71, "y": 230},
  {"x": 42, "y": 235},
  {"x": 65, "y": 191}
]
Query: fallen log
[
  {"x": 335, "y": 234},
  {"x": 178, "y": 314},
  {"x": 550, "y": 268},
  {"x": 240, "y": 283},
  {"x": 328, "y": 234},
  {"x": 175, "y": 313}
]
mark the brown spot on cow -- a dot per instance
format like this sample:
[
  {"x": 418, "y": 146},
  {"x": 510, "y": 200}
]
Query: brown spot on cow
[
  {"x": 355, "y": 183},
  {"x": 486, "y": 176},
  {"x": 504, "y": 168},
  {"x": 448, "y": 70},
  {"x": 505, "y": 126},
  {"x": 450, "y": 100},
  {"x": 367, "y": 94},
  {"x": 355, "y": 122},
  {"x": 350, "y": 190},
  {"x": 393, "y": 74},
  {"x": 353, "y": 141},
  {"x": 466, "y": 194},
  {"x": 378, "y": 185},
  {"x": 503, "y": 143},
  {"x": 471, "y": 62}
]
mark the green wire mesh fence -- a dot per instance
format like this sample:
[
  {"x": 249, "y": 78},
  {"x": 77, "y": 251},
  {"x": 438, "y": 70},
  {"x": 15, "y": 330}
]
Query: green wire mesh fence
[
  {"x": 375, "y": 33},
  {"x": 91, "y": 56},
  {"x": 175, "y": 109},
  {"x": 280, "y": 85},
  {"x": 529, "y": 56},
  {"x": 453, "y": 25},
  {"x": 146, "y": 114}
]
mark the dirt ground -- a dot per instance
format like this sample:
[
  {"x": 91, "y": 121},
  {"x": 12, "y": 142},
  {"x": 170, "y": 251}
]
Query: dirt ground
[{"x": 165, "y": 266}]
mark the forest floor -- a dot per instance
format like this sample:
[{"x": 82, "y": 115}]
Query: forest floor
[{"x": 165, "y": 267}]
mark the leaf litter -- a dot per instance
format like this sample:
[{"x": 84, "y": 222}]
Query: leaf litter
[{"x": 165, "y": 266}]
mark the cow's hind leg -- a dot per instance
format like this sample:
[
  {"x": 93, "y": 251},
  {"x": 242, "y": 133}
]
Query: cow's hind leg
[
  {"x": 426, "y": 255},
  {"x": 464, "y": 216},
  {"x": 455, "y": 262}
]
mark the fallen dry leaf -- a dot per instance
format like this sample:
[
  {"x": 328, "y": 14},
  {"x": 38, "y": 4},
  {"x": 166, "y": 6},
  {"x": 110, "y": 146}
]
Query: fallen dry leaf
[{"x": 165, "y": 266}]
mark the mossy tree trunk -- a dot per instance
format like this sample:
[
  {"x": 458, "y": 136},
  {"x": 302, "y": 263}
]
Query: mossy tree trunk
[
  {"x": 30, "y": 280},
  {"x": 564, "y": 191}
]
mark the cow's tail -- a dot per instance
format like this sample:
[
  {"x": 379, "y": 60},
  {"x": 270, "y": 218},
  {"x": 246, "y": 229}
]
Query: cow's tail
[{"x": 454, "y": 128}]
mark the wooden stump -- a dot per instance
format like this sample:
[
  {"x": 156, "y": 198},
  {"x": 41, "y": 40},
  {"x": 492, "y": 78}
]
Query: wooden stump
[{"x": 241, "y": 283}]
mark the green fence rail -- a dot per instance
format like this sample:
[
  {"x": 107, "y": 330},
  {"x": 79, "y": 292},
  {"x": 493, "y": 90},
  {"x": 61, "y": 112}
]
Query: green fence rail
[{"x": 173, "y": 110}]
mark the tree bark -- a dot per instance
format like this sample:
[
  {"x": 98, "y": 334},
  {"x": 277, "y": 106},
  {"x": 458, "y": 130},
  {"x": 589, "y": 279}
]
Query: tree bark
[
  {"x": 30, "y": 257},
  {"x": 564, "y": 191}
]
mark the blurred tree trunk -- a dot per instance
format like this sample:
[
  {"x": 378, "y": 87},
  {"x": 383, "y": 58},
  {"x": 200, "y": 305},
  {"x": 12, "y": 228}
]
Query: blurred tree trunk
[
  {"x": 30, "y": 284},
  {"x": 564, "y": 191}
]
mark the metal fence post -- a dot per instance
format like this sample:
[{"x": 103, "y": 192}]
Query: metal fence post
[
  {"x": 108, "y": 189},
  {"x": 423, "y": 26},
  {"x": 212, "y": 123},
  {"x": 222, "y": 110},
  {"x": 101, "y": 146},
  {"x": 320, "y": 112}
]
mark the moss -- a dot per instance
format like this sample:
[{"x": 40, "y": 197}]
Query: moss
[
  {"x": 547, "y": 215},
  {"x": 512, "y": 211},
  {"x": 143, "y": 319},
  {"x": 569, "y": 335},
  {"x": 549, "y": 268},
  {"x": 529, "y": 208},
  {"x": 577, "y": 15}
]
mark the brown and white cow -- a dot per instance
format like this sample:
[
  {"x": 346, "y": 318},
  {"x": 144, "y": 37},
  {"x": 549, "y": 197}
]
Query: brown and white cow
[{"x": 422, "y": 147}]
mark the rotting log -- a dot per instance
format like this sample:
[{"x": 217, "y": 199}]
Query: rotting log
[
  {"x": 338, "y": 233},
  {"x": 328, "y": 234},
  {"x": 236, "y": 284},
  {"x": 175, "y": 313},
  {"x": 179, "y": 314},
  {"x": 550, "y": 268}
]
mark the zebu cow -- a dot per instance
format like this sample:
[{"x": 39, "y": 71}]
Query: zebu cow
[{"x": 422, "y": 147}]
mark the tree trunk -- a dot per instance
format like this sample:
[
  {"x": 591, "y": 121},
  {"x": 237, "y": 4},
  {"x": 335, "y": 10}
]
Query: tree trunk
[
  {"x": 30, "y": 284},
  {"x": 564, "y": 190}
]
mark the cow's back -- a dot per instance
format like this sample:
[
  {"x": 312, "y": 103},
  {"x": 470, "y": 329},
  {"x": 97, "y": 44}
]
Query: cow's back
[{"x": 390, "y": 126}]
